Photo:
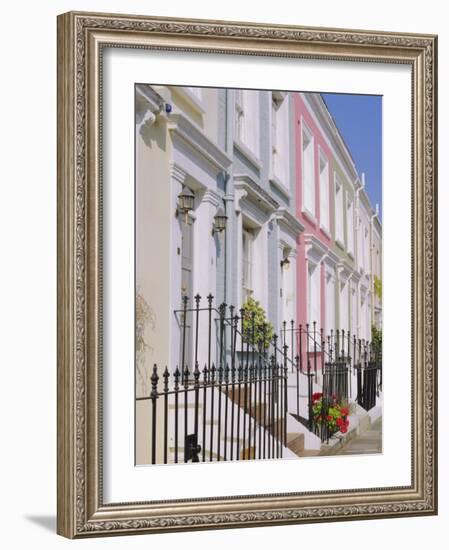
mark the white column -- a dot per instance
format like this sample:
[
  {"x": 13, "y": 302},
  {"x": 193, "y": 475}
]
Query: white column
[
  {"x": 178, "y": 177},
  {"x": 205, "y": 265}
]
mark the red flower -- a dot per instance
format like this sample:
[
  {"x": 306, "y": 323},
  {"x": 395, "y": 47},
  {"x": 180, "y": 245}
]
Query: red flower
[
  {"x": 329, "y": 417},
  {"x": 340, "y": 421},
  {"x": 344, "y": 411},
  {"x": 343, "y": 429},
  {"x": 317, "y": 396}
]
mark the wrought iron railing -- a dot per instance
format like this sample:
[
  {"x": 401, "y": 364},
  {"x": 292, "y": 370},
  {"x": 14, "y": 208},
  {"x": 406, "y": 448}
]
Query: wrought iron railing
[
  {"x": 225, "y": 413},
  {"x": 242, "y": 389}
]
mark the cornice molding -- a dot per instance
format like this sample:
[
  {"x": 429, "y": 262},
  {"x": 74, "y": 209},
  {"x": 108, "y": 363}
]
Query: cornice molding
[
  {"x": 331, "y": 133},
  {"x": 177, "y": 173},
  {"x": 255, "y": 193},
  {"x": 289, "y": 222},
  {"x": 180, "y": 127}
]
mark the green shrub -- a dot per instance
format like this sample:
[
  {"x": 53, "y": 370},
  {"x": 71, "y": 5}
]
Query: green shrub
[{"x": 263, "y": 330}]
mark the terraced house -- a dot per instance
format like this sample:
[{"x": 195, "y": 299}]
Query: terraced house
[{"x": 256, "y": 244}]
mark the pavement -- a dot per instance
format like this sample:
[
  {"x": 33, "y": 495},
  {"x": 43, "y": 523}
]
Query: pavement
[{"x": 369, "y": 442}]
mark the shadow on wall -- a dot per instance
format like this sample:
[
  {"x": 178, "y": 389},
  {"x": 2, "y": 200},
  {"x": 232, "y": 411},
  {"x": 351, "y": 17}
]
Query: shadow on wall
[
  {"x": 46, "y": 522},
  {"x": 145, "y": 321},
  {"x": 153, "y": 135}
]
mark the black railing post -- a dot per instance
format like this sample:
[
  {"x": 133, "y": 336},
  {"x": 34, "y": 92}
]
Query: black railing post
[
  {"x": 292, "y": 350},
  {"x": 235, "y": 330},
  {"x": 309, "y": 381},
  {"x": 285, "y": 407},
  {"x": 285, "y": 411},
  {"x": 232, "y": 408},
  {"x": 285, "y": 369},
  {"x": 275, "y": 346},
  {"x": 245, "y": 406},
  {"x": 185, "y": 299},
  {"x": 197, "y": 320},
  {"x": 259, "y": 409},
  {"x": 220, "y": 382},
  {"x": 268, "y": 424},
  {"x": 273, "y": 416},
  {"x": 166, "y": 376},
  {"x": 222, "y": 310},
  {"x": 186, "y": 403},
  {"x": 226, "y": 377},
  {"x": 239, "y": 397},
  {"x": 330, "y": 345},
  {"x": 154, "y": 396},
  {"x": 205, "y": 376},
  {"x": 212, "y": 391},
  {"x": 323, "y": 348},
  {"x": 255, "y": 384},
  {"x": 337, "y": 344},
  {"x": 210, "y": 299},
  {"x": 231, "y": 317},
  {"x": 176, "y": 390},
  {"x": 278, "y": 404},
  {"x": 196, "y": 385}
]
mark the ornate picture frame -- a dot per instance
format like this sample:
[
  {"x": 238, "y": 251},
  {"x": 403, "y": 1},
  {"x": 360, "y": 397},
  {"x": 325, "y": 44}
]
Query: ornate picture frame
[{"x": 82, "y": 39}]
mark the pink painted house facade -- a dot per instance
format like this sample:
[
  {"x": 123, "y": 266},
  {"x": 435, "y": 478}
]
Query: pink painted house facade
[{"x": 314, "y": 208}]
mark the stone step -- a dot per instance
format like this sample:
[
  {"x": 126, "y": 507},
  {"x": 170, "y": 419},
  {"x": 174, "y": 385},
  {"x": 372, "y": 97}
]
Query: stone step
[
  {"x": 309, "y": 452},
  {"x": 295, "y": 442}
]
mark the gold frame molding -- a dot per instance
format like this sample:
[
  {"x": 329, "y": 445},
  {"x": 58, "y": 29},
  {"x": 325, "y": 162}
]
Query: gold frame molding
[{"x": 81, "y": 37}]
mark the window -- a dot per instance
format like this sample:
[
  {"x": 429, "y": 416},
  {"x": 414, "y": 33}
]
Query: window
[
  {"x": 324, "y": 191},
  {"x": 350, "y": 225},
  {"x": 339, "y": 211},
  {"x": 247, "y": 264},
  {"x": 246, "y": 119},
  {"x": 279, "y": 137},
  {"x": 308, "y": 175}
]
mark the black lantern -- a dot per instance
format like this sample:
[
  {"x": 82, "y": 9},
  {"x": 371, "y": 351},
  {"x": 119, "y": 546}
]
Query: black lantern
[
  {"x": 185, "y": 201},
  {"x": 285, "y": 263},
  {"x": 220, "y": 220}
]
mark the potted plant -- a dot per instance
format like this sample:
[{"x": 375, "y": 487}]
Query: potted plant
[{"x": 331, "y": 413}]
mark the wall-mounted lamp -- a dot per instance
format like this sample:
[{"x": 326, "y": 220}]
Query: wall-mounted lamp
[
  {"x": 186, "y": 200},
  {"x": 220, "y": 221},
  {"x": 285, "y": 263}
]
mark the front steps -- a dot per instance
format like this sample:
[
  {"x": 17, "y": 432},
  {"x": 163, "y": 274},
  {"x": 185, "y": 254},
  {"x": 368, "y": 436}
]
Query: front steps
[{"x": 255, "y": 414}]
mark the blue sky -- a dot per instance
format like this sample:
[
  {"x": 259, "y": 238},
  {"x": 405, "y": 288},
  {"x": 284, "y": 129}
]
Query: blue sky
[{"x": 359, "y": 119}]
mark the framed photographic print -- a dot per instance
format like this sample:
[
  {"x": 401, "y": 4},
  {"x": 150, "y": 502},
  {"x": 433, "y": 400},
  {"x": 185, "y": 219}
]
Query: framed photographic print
[{"x": 246, "y": 274}]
